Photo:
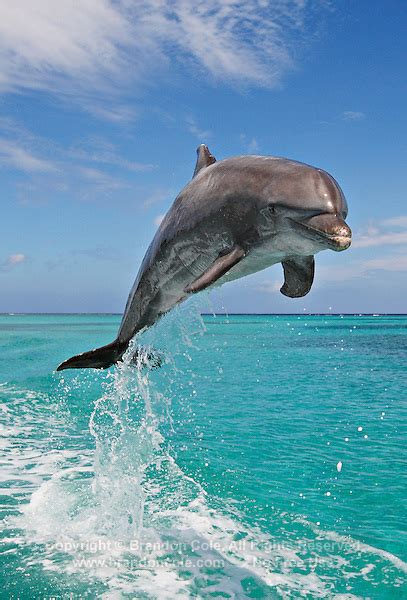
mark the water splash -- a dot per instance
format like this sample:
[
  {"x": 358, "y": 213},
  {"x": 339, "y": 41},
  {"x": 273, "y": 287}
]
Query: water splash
[
  {"x": 127, "y": 440},
  {"x": 100, "y": 502}
]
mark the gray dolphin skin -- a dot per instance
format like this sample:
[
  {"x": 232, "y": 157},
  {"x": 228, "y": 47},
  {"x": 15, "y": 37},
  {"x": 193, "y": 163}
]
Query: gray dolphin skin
[{"x": 235, "y": 217}]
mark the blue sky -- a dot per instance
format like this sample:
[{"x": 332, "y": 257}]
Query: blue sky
[{"x": 103, "y": 105}]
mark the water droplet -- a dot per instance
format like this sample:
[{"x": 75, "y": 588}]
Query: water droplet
[{"x": 360, "y": 428}]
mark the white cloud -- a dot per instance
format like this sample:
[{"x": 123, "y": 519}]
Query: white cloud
[
  {"x": 351, "y": 271},
  {"x": 14, "y": 155},
  {"x": 396, "y": 221},
  {"x": 375, "y": 235},
  {"x": 353, "y": 115},
  {"x": 115, "y": 114},
  {"x": 380, "y": 239},
  {"x": 158, "y": 220},
  {"x": 269, "y": 287},
  {"x": 339, "y": 273},
  {"x": 85, "y": 170},
  {"x": 101, "y": 151},
  {"x": 201, "y": 134},
  {"x": 253, "y": 146},
  {"x": 388, "y": 263},
  {"x": 45, "y": 42},
  {"x": 12, "y": 260},
  {"x": 250, "y": 145},
  {"x": 15, "y": 259},
  {"x": 156, "y": 196},
  {"x": 363, "y": 269},
  {"x": 378, "y": 235},
  {"x": 105, "y": 45},
  {"x": 99, "y": 180}
]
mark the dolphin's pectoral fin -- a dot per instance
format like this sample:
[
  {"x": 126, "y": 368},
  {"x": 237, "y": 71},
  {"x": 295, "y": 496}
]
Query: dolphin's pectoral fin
[
  {"x": 205, "y": 158},
  {"x": 221, "y": 266},
  {"x": 298, "y": 276}
]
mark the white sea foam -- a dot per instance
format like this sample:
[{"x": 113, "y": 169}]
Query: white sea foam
[{"x": 357, "y": 546}]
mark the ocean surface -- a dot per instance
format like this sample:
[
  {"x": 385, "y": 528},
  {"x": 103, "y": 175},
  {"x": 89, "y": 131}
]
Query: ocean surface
[{"x": 264, "y": 459}]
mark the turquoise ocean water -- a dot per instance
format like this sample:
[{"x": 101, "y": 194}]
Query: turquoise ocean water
[{"x": 265, "y": 459}]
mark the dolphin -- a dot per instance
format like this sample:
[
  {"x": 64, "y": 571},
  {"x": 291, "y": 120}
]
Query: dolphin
[{"x": 235, "y": 217}]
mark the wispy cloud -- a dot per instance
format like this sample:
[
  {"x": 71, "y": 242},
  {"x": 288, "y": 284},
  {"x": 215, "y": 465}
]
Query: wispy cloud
[
  {"x": 392, "y": 258},
  {"x": 12, "y": 261},
  {"x": 67, "y": 260},
  {"x": 356, "y": 270},
  {"x": 380, "y": 235},
  {"x": 362, "y": 269},
  {"x": 99, "y": 150},
  {"x": 388, "y": 263},
  {"x": 14, "y": 155},
  {"x": 158, "y": 220},
  {"x": 381, "y": 239},
  {"x": 107, "y": 45},
  {"x": 270, "y": 287},
  {"x": 391, "y": 243},
  {"x": 396, "y": 221},
  {"x": 250, "y": 145},
  {"x": 89, "y": 170},
  {"x": 353, "y": 115},
  {"x": 240, "y": 40},
  {"x": 114, "y": 114},
  {"x": 46, "y": 43},
  {"x": 22, "y": 150},
  {"x": 99, "y": 181},
  {"x": 201, "y": 134},
  {"x": 156, "y": 196}
]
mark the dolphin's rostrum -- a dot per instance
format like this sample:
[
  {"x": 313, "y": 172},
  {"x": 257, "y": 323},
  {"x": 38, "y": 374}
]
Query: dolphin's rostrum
[{"x": 235, "y": 217}]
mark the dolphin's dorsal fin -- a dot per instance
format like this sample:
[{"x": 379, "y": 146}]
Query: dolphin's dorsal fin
[{"x": 205, "y": 158}]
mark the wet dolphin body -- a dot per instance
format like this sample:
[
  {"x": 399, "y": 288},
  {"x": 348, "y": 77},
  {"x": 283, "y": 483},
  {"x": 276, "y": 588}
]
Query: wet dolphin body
[{"x": 235, "y": 217}]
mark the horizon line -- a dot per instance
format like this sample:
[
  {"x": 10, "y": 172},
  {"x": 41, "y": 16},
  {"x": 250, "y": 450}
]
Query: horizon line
[{"x": 214, "y": 314}]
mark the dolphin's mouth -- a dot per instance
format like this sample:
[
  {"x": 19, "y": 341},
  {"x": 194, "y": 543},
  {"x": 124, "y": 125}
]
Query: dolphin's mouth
[{"x": 338, "y": 240}]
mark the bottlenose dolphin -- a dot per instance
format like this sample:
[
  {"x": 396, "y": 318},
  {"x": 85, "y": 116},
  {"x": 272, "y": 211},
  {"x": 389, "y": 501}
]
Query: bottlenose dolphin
[{"x": 235, "y": 217}]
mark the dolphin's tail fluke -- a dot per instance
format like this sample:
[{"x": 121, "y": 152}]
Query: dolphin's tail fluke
[{"x": 100, "y": 358}]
